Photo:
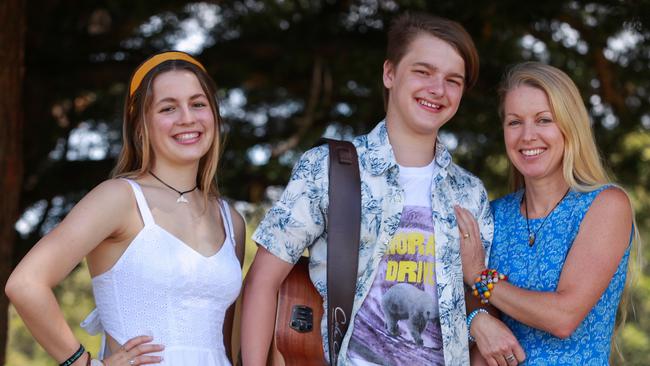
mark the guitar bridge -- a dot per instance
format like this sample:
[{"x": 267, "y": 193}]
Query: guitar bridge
[{"x": 302, "y": 318}]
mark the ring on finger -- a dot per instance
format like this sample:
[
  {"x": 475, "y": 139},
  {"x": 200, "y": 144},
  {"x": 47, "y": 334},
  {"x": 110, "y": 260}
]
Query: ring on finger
[
  {"x": 466, "y": 235},
  {"x": 132, "y": 362},
  {"x": 511, "y": 358}
]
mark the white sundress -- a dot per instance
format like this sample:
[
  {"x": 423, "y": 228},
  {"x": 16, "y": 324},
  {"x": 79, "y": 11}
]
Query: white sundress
[{"x": 162, "y": 287}]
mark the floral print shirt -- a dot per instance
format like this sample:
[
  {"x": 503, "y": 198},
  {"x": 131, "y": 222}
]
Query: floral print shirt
[{"x": 299, "y": 221}]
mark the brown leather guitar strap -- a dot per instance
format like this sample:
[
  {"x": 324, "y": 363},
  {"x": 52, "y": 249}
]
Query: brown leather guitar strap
[{"x": 343, "y": 229}]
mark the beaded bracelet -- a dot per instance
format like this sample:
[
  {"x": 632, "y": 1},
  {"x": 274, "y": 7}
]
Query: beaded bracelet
[
  {"x": 470, "y": 318},
  {"x": 75, "y": 356},
  {"x": 485, "y": 282}
]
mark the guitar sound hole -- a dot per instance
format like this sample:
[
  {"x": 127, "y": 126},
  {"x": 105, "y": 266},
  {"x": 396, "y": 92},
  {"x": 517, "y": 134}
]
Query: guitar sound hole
[{"x": 302, "y": 318}]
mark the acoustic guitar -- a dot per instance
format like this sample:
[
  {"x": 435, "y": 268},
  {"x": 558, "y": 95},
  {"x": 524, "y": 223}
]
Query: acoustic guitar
[{"x": 297, "y": 340}]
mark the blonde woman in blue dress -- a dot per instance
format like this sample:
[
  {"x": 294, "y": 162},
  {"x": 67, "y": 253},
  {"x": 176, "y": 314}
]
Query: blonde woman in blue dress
[
  {"x": 563, "y": 236},
  {"x": 163, "y": 249}
]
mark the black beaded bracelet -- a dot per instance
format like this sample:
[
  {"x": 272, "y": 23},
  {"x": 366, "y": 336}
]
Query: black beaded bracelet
[{"x": 74, "y": 357}]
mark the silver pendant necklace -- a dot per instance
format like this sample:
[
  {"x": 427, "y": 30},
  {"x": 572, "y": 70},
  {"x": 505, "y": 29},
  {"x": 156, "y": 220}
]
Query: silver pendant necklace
[
  {"x": 532, "y": 236},
  {"x": 181, "y": 198}
]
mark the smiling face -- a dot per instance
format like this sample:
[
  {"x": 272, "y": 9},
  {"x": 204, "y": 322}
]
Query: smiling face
[
  {"x": 425, "y": 87},
  {"x": 180, "y": 119},
  {"x": 534, "y": 142}
]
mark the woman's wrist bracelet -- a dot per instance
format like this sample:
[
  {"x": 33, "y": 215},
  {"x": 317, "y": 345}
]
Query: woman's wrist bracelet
[
  {"x": 470, "y": 318},
  {"x": 484, "y": 284},
  {"x": 75, "y": 356}
]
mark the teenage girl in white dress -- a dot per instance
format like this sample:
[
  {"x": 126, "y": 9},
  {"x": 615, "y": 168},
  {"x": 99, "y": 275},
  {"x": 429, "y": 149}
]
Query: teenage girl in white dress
[{"x": 163, "y": 249}]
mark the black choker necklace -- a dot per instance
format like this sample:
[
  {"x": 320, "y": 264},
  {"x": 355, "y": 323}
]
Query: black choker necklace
[
  {"x": 180, "y": 199},
  {"x": 533, "y": 235}
]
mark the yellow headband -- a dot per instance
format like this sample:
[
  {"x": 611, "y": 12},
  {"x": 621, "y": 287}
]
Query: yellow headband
[{"x": 156, "y": 60}]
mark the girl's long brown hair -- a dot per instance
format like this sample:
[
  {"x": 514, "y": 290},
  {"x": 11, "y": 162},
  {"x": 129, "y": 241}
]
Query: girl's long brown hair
[{"x": 136, "y": 157}]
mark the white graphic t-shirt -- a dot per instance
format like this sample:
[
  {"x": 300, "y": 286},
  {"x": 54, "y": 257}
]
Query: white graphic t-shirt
[{"x": 398, "y": 322}]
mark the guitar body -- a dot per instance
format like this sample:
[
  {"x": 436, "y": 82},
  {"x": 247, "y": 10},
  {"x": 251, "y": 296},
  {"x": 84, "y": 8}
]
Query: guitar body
[{"x": 297, "y": 340}]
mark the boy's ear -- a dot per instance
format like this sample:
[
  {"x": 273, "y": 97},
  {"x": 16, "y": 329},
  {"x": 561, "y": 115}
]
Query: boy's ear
[{"x": 389, "y": 74}]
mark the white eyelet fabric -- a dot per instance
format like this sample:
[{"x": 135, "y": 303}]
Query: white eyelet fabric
[{"x": 162, "y": 287}]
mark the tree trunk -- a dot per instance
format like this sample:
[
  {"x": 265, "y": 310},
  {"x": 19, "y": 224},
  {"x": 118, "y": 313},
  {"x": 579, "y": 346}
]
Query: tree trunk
[{"x": 12, "y": 40}]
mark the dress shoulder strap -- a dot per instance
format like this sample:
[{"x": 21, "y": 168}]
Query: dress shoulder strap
[
  {"x": 145, "y": 212},
  {"x": 227, "y": 220}
]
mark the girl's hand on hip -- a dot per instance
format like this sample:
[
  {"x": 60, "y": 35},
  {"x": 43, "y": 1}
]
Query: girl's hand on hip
[{"x": 136, "y": 352}]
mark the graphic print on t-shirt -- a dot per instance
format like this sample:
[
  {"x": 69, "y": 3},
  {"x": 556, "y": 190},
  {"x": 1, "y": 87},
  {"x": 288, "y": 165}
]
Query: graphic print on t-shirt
[{"x": 398, "y": 323}]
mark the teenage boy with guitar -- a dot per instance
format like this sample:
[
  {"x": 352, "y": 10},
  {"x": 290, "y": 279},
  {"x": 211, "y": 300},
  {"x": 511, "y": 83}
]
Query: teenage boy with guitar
[{"x": 409, "y": 306}]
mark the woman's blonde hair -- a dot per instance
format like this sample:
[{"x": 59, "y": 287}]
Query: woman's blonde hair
[
  {"x": 136, "y": 157},
  {"x": 582, "y": 166}
]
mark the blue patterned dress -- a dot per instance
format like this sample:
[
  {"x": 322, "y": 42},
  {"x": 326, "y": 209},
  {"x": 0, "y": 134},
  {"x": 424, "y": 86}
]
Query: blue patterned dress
[{"x": 539, "y": 267}]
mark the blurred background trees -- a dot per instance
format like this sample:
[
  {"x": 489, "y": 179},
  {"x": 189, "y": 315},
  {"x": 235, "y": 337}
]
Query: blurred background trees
[{"x": 289, "y": 71}]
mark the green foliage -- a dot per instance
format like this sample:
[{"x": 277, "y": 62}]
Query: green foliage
[{"x": 636, "y": 345}]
